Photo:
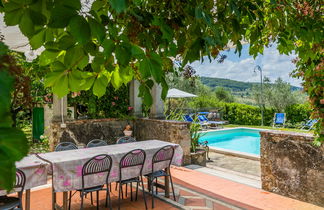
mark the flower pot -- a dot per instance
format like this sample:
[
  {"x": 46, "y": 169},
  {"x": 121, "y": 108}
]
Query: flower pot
[{"x": 198, "y": 157}]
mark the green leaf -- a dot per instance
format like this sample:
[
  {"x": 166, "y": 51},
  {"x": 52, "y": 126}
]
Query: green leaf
[
  {"x": 60, "y": 16},
  {"x": 26, "y": 25},
  {"x": 37, "y": 40},
  {"x": 97, "y": 30},
  {"x": 127, "y": 74},
  {"x": 116, "y": 79},
  {"x": 100, "y": 86},
  {"x": 75, "y": 80},
  {"x": 13, "y": 18},
  {"x": 137, "y": 52},
  {"x": 146, "y": 94},
  {"x": 156, "y": 67},
  {"x": 144, "y": 68},
  {"x": 37, "y": 18},
  {"x": 118, "y": 5},
  {"x": 61, "y": 86},
  {"x": 13, "y": 147},
  {"x": 47, "y": 57},
  {"x": 89, "y": 78},
  {"x": 109, "y": 46},
  {"x": 123, "y": 54},
  {"x": 80, "y": 29},
  {"x": 66, "y": 42},
  {"x": 6, "y": 84},
  {"x": 73, "y": 56}
]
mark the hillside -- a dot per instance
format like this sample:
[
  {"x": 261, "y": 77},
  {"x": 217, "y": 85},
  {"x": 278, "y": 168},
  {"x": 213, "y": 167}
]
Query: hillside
[{"x": 234, "y": 86}]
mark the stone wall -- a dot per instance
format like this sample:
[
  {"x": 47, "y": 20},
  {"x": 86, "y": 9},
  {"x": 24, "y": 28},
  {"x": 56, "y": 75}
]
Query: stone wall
[
  {"x": 165, "y": 130},
  {"x": 292, "y": 166},
  {"x": 83, "y": 131}
]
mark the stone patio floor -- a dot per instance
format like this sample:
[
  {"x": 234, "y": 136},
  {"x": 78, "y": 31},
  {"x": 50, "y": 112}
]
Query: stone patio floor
[{"x": 194, "y": 191}]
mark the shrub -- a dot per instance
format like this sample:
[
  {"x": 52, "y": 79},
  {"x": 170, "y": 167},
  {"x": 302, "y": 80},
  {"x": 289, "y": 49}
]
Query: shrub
[
  {"x": 243, "y": 114},
  {"x": 297, "y": 113}
]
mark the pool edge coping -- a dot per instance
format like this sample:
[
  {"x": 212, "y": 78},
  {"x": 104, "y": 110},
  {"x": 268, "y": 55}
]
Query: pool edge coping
[{"x": 234, "y": 153}]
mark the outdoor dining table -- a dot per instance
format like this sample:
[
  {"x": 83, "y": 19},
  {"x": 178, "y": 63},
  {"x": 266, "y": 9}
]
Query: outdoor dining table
[
  {"x": 36, "y": 171},
  {"x": 67, "y": 165}
]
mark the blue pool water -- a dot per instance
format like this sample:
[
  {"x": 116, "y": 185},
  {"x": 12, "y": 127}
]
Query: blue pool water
[{"x": 241, "y": 140}]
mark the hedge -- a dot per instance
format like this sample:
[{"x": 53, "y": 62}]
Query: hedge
[{"x": 242, "y": 114}]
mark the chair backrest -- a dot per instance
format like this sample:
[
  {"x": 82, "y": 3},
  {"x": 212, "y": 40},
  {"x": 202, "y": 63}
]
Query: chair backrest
[
  {"x": 97, "y": 164},
  {"x": 279, "y": 118},
  {"x": 65, "y": 146},
  {"x": 310, "y": 123},
  {"x": 125, "y": 139},
  {"x": 187, "y": 118},
  {"x": 133, "y": 158},
  {"x": 164, "y": 154},
  {"x": 202, "y": 118},
  {"x": 20, "y": 180},
  {"x": 96, "y": 143}
]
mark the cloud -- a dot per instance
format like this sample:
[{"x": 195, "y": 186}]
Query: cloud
[{"x": 272, "y": 63}]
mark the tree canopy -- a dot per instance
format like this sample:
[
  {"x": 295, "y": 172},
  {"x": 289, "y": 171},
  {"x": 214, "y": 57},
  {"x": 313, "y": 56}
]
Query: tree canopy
[{"x": 114, "y": 41}]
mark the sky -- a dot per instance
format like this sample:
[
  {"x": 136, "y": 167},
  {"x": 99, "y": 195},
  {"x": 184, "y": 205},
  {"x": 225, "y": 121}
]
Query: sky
[{"x": 241, "y": 68}]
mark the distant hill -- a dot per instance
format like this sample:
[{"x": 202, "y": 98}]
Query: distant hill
[{"x": 235, "y": 86}]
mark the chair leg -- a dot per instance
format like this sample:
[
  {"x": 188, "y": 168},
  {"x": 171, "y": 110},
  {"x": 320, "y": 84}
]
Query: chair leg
[
  {"x": 70, "y": 197},
  {"x": 20, "y": 200},
  {"x": 109, "y": 187},
  {"x": 143, "y": 192},
  {"x": 131, "y": 191},
  {"x": 97, "y": 192},
  {"x": 126, "y": 190},
  {"x": 136, "y": 191},
  {"x": 81, "y": 194},
  {"x": 108, "y": 199},
  {"x": 152, "y": 191},
  {"x": 91, "y": 198},
  {"x": 119, "y": 193},
  {"x": 156, "y": 188},
  {"x": 172, "y": 186}
]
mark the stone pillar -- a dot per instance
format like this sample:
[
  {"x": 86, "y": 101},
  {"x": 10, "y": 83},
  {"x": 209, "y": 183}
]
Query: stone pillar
[
  {"x": 58, "y": 107},
  {"x": 134, "y": 100},
  {"x": 157, "y": 108}
]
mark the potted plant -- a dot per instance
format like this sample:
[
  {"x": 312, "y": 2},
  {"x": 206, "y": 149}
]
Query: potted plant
[{"x": 198, "y": 153}]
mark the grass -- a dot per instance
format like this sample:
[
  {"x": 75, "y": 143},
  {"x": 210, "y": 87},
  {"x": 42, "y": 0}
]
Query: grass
[{"x": 268, "y": 127}]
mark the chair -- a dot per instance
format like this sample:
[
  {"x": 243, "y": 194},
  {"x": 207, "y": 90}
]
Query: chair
[
  {"x": 279, "y": 119},
  {"x": 134, "y": 158},
  {"x": 63, "y": 146},
  {"x": 125, "y": 139},
  {"x": 204, "y": 119},
  {"x": 188, "y": 118},
  {"x": 162, "y": 156},
  {"x": 309, "y": 124},
  {"x": 97, "y": 164},
  {"x": 6, "y": 202},
  {"x": 96, "y": 143}
]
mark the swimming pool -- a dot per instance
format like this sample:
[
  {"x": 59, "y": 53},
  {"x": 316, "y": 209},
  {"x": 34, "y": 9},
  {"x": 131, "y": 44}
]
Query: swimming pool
[{"x": 240, "y": 140}]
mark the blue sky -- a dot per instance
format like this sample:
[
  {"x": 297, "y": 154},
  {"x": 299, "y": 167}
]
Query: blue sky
[{"x": 241, "y": 68}]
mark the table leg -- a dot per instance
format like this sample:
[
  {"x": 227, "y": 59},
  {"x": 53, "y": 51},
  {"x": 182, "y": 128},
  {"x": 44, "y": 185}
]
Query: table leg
[
  {"x": 65, "y": 200},
  {"x": 27, "y": 201},
  {"x": 167, "y": 184}
]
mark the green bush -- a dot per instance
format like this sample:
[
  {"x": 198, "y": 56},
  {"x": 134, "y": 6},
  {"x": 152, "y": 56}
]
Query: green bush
[
  {"x": 242, "y": 114},
  {"x": 114, "y": 104},
  {"x": 298, "y": 113}
]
